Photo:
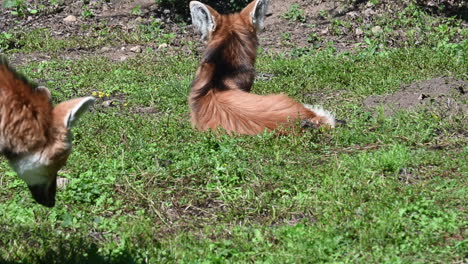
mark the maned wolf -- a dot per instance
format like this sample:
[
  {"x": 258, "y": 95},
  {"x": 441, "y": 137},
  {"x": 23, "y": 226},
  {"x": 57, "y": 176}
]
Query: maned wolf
[
  {"x": 34, "y": 136},
  {"x": 219, "y": 95}
]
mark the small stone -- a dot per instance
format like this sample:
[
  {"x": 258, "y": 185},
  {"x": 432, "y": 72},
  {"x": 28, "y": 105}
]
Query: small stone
[
  {"x": 324, "y": 31},
  {"x": 376, "y": 29},
  {"x": 162, "y": 46},
  {"x": 70, "y": 19},
  {"x": 146, "y": 110},
  {"x": 62, "y": 182},
  {"x": 359, "y": 31},
  {"x": 105, "y": 49},
  {"x": 136, "y": 49},
  {"x": 423, "y": 96},
  {"x": 167, "y": 11},
  {"x": 131, "y": 25},
  {"x": 108, "y": 103},
  {"x": 123, "y": 49},
  {"x": 340, "y": 11},
  {"x": 352, "y": 14},
  {"x": 368, "y": 12}
]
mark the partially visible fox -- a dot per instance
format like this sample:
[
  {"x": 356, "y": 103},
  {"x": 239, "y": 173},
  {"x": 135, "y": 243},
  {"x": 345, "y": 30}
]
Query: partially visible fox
[
  {"x": 219, "y": 95},
  {"x": 34, "y": 136}
]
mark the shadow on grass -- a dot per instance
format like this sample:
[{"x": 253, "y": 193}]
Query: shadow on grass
[
  {"x": 78, "y": 251},
  {"x": 448, "y": 8}
]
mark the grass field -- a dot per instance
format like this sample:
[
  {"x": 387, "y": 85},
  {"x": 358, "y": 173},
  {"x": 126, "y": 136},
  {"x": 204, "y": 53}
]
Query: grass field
[{"x": 147, "y": 188}]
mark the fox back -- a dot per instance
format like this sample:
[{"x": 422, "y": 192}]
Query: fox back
[
  {"x": 35, "y": 137},
  {"x": 219, "y": 95},
  {"x": 229, "y": 58}
]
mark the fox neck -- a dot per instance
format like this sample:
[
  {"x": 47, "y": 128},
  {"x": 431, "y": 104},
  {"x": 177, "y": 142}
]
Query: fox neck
[
  {"x": 23, "y": 134},
  {"x": 228, "y": 61},
  {"x": 24, "y": 127},
  {"x": 25, "y": 113}
]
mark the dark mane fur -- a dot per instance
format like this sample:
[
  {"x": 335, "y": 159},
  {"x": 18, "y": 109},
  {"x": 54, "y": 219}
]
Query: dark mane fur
[
  {"x": 25, "y": 112},
  {"x": 18, "y": 75},
  {"x": 231, "y": 58}
]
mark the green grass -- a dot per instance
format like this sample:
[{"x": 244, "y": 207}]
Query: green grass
[
  {"x": 150, "y": 188},
  {"x": 147, "y": 188}
]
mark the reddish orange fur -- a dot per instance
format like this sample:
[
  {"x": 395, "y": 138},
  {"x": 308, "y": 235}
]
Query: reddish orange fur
[
  {"x": 219, "y": 95},
  {"x": 25, "y": 114},
  {"x": 28, "y": 122},
  {"x": 34, "y": 136},
  {"x": 245, "y": 113}
]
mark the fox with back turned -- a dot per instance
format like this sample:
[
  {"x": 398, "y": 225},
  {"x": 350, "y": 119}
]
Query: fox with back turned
[{"x": 219, "y": 95}]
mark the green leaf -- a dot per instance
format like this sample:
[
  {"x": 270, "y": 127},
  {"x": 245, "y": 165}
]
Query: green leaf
[{"x": 10, "y": 4}]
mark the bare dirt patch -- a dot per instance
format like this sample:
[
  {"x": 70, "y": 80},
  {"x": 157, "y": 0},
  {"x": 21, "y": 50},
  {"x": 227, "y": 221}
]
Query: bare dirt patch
[
  {"x": 447, "y": 95},
  {"x": 346, "y": 24},
  {"x": 309, "y": 29},
  {"x": 120, "y": 53},
  {"x": 313, "y": 25}
]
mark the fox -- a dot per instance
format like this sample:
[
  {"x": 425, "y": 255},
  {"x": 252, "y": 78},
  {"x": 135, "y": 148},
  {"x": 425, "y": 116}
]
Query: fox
[
  {"x": 35, "y": 137},
  {"x": 220, "y": 91}
]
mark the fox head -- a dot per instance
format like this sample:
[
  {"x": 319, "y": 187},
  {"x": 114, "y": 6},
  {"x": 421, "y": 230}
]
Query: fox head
[
  {"x": 229, "y": 59},
  {"x": 212, "y": 25},
  {"x": 35, "y": 136},
  {"x": 39, "y": 168}
]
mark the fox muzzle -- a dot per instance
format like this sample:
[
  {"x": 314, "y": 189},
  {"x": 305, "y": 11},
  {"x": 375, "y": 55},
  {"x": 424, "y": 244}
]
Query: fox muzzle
[{"x": 44, "y": 193}]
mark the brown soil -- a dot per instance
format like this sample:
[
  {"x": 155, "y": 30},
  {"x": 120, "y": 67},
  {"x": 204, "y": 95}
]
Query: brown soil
[
  {"x": 314, "y": 29},
  {"x": 317, "y": 27},
  {"x": 281, "y": 33},
  {"x": 446, "y": 95},
  {"x": 341, "y": 22}
]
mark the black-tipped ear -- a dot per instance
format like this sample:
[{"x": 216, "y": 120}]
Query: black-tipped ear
[
  {"x": 202, "y": 19},
  {"x": 44, "y": 90}
]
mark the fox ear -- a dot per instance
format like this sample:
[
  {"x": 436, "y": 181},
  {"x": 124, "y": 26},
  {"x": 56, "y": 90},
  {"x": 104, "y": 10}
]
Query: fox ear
[
  {"x": 45, "y": 91},
  {"x": 256, "y": 10},
  {"x": 203, "y": 18},
  {"x": 70, "y": 111}
]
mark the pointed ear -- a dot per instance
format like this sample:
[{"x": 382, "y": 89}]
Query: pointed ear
[
  {"x": 44, "y": 90},
  {"x": 256, "y": 11},
  {"x": 203, "y": 18},
  {"x": 69, "y": 112}
]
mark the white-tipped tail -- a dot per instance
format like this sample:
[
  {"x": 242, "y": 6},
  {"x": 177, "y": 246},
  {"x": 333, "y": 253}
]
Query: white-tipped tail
[{"x": 328, "y": 117}]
